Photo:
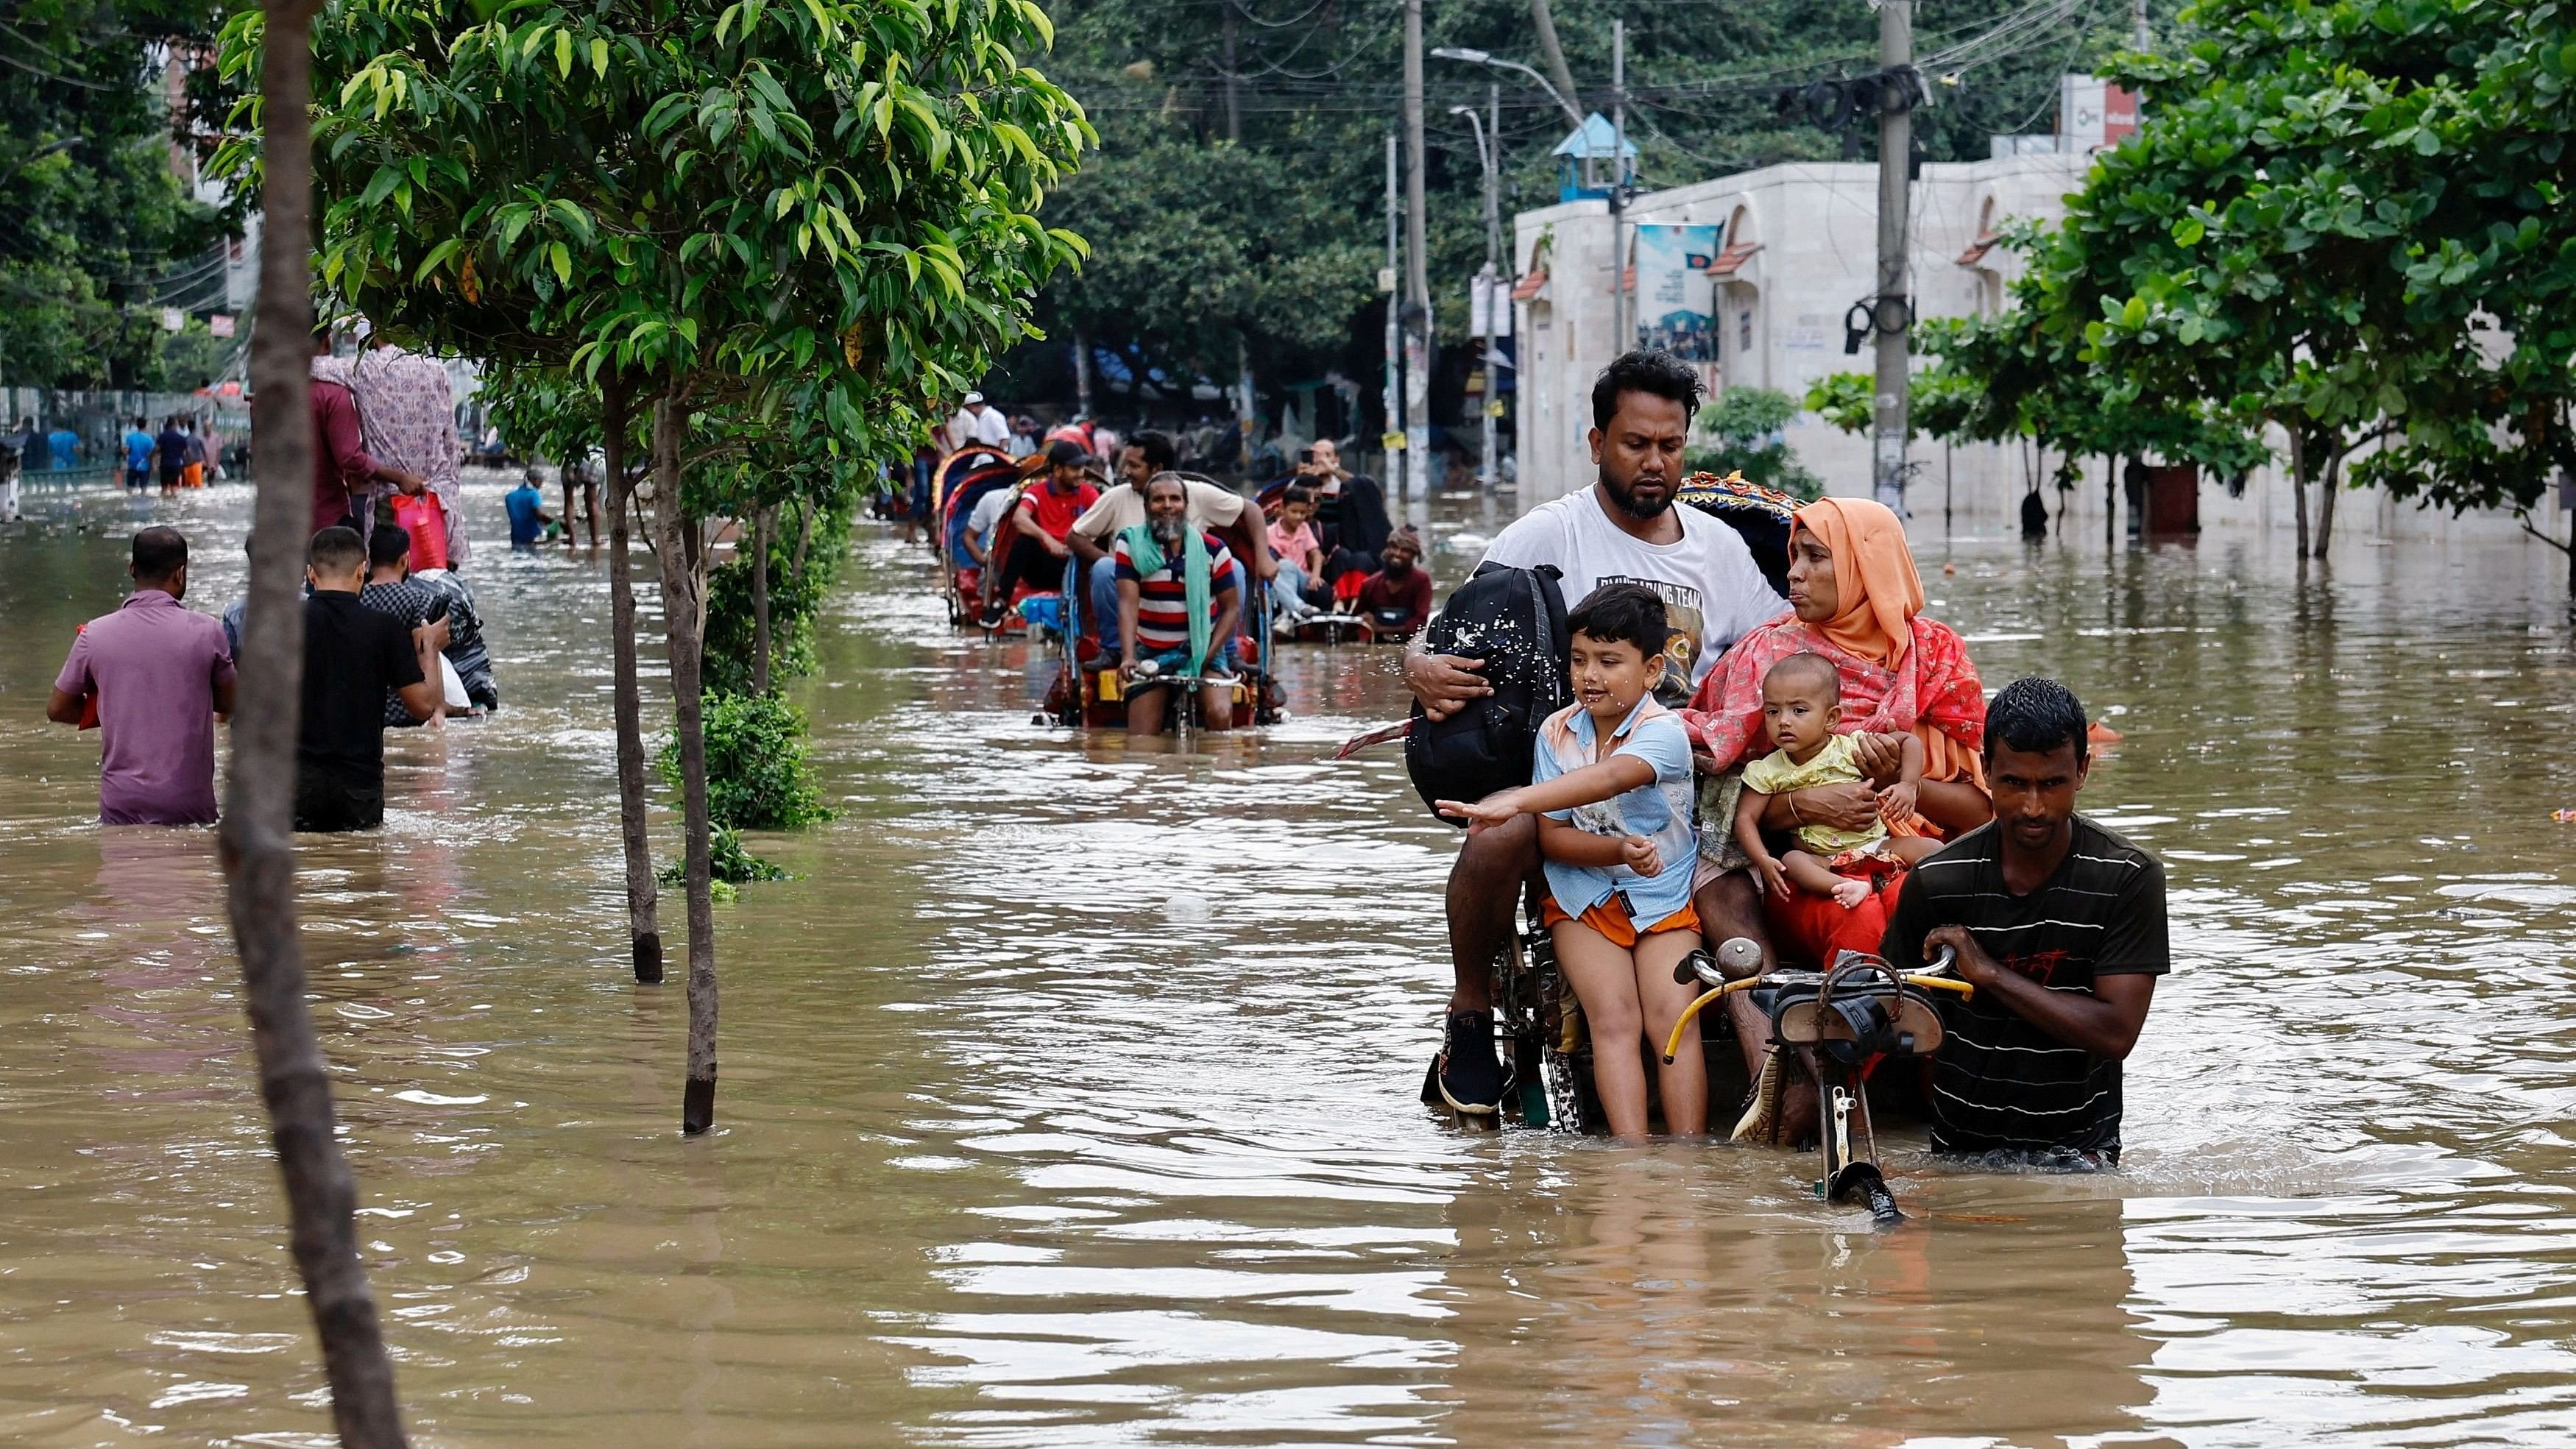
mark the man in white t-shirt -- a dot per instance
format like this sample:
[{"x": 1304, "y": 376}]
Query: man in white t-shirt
[
  {"x": 1622, "y": 529},
  {"x": 979, "y": 422},
  {"x": 987, "y": 516},
  {"x": 1212, "y": 509}
]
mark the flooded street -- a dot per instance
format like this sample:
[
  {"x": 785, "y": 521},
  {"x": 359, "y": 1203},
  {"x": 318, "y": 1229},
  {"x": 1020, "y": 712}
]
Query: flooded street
[{"x": 1068, "y": 1092}]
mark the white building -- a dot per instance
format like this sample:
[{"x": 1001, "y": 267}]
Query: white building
[{"x": 1798, "y": 248}]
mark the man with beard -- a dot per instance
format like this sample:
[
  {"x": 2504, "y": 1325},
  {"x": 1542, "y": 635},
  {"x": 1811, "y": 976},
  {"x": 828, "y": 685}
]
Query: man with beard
[
  {"x": 1177, "y": 604},
  {"x": 1396, "y": 600},
  {"x": 1212, "y": 509},
  {"x": 1623, "y": 529}
]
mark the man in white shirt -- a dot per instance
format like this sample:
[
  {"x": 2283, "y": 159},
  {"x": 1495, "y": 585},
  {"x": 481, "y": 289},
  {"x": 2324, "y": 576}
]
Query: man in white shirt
[
  {"x": 987, "y": 516},
  {"x": 979, "y": 422},
  {"x": 1622, "y": 529},
  {"x": 1221, "y": 511}
]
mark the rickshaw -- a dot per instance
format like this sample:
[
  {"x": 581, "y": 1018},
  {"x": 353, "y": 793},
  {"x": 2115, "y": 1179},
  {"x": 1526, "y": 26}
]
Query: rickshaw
[
  {"x": 1086, "y": 692},
  {"x": 962, "y": 480}
]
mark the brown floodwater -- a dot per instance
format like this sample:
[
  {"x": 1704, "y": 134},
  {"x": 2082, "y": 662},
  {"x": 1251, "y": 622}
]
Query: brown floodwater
[{"x": 1068, "y": 1090}]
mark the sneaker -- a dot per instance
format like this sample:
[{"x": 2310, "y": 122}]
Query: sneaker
[
  {"x": 991, "y": 618},
  {"x": 1468, "y": 1074}
]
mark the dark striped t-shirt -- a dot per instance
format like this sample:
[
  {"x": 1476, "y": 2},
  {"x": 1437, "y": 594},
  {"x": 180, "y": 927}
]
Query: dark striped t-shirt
[
  {"x": 2000, "y": 1084},
  {"x": 1162, "y": 602}
]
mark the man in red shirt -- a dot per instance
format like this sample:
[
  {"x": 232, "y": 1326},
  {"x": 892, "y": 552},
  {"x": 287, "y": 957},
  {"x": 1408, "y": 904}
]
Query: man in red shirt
[
  {"x": 1044, "y": 516},
  {"x": 342, "y": 466}
]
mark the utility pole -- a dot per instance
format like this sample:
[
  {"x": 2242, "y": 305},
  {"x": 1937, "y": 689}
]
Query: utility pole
[
  {"x": 1890, "y": 315},
  {"x": 1497, "y": 296},
  {"x": 1622, "y": 335},
  {"x": 1417, "y": 271},
  {"x": 1486, "y": 301},
  {"x": 1392, "y": 284},
  {"x": 1246, "y": 423},
  {"x": 2140, "y": 38}
]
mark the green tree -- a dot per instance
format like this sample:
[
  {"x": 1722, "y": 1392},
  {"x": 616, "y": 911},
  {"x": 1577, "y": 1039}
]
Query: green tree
[
  {"x": 751, "y": 215},
  {"x": 255, "y": 844},
  {"x": 2346, "y": 220},
  {"x": 1239, "y": 192},
  {"x": 1745, "y": 428},
  {"x": 100, "y": 234}
]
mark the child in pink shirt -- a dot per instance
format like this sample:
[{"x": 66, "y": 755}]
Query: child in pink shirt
[{"x": 1293, "y": 543}]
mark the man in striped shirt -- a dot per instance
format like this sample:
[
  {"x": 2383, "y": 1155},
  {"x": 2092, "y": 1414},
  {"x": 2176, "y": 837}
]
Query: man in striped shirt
[
  {"x": 2060, "y": 925},
  {"x": 1176, "y": 609}
]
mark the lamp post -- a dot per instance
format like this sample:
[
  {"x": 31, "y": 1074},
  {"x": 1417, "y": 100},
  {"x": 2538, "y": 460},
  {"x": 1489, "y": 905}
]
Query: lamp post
[
  {"x": 1491, "y": 61},
  {"x": 1488, "y": 281}
]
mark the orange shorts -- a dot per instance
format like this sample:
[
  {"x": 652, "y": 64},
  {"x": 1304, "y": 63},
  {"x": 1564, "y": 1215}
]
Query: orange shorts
[
  {"x": 193, "y": 476},
  {"x": 1610, "y": 918}
]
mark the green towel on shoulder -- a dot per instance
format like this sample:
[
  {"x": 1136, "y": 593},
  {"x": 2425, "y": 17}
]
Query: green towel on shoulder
[{"x": 1147, "y": 556}]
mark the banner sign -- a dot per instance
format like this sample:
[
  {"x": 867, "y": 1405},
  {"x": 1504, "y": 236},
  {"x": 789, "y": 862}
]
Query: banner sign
[{"x": 1676, "y": 297}]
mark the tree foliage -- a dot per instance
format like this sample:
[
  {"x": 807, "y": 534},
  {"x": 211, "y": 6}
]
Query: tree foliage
[
  {"x": 1264, "y": 219},
  {"x": 792, "y": 198},
  {"x": 100, "y": 235},
  {"x": 1745, "y": 427},
  {"x": 2349, "y": 220}
]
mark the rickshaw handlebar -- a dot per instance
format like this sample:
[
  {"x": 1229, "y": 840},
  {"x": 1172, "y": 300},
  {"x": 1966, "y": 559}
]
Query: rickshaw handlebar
[{"x": 1933, "y": 977}]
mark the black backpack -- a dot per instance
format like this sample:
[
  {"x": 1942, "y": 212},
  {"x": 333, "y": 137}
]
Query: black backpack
[{"x": 1514, "y": 620}]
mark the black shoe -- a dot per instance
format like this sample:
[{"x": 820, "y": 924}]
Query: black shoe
[
  {"x": 991, "y": 618},
  {"x": 1468, "y": 1074}
]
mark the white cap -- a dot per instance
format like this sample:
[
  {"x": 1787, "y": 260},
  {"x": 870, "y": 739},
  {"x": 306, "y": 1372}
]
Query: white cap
[{"x": 973, "y": 398}]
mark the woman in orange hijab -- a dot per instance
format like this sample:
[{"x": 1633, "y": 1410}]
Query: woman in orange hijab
[{"x": 1855, "y": 600}]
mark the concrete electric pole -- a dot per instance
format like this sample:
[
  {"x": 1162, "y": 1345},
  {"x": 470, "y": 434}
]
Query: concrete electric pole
[
  {"x": 1891, "y": 315},
  {"x": 1487, "y": 301},
  {"x": 1391, "y": 282},
  {"x": 1417, "y": 271},
  {"x": 1623, "y": 335}
]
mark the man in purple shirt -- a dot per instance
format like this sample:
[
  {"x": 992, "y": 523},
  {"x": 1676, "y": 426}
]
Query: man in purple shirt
[{"x": 162, "y": 676}]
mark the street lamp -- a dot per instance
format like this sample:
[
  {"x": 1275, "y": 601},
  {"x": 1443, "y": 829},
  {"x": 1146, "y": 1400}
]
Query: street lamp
[
  {"x": 1491, "y": 61},
  {"x": 1488, "y": 280}
]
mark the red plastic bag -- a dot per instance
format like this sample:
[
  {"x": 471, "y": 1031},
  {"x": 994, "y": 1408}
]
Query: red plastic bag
[{"x": 426, "y": 522}]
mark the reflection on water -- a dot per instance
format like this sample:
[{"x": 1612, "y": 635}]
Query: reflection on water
[{"x": 1069, "y": 1090}]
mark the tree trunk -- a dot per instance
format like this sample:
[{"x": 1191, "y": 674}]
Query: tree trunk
[
  {"x": 804, "y": 541},
  {"x": 643, "y": 898},
  {"x": 1081, "y": 372},
  {"x": 256, "y": 845},
  {"x": 684, "y": 626},
  {"x": 1554, "y": 53},
  {"x": 2299, "y": 485},
  {"x": 2326, "y": 501},
  {"x": 761, "y": 525},
  {"x": 2110, "y": 503}
]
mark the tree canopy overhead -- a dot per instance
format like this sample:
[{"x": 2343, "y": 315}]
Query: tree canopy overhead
[{"x": 1245, "y": 196}]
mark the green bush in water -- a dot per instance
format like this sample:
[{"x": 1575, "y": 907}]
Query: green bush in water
[
  {"x": 729, "y": 865},
  {"x": 1745, "y": 424},
  {"x": 757, "y": 775}
]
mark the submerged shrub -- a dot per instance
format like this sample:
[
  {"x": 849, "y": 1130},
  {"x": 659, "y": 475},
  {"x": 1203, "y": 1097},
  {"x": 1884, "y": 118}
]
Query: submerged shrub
[
  {"x": 729, "y": 865},
  {"x": 757, "y": 774}
]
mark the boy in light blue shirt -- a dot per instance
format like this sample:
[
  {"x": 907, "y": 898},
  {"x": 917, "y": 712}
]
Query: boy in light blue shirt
[{"x": 1611, "y": 781}]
